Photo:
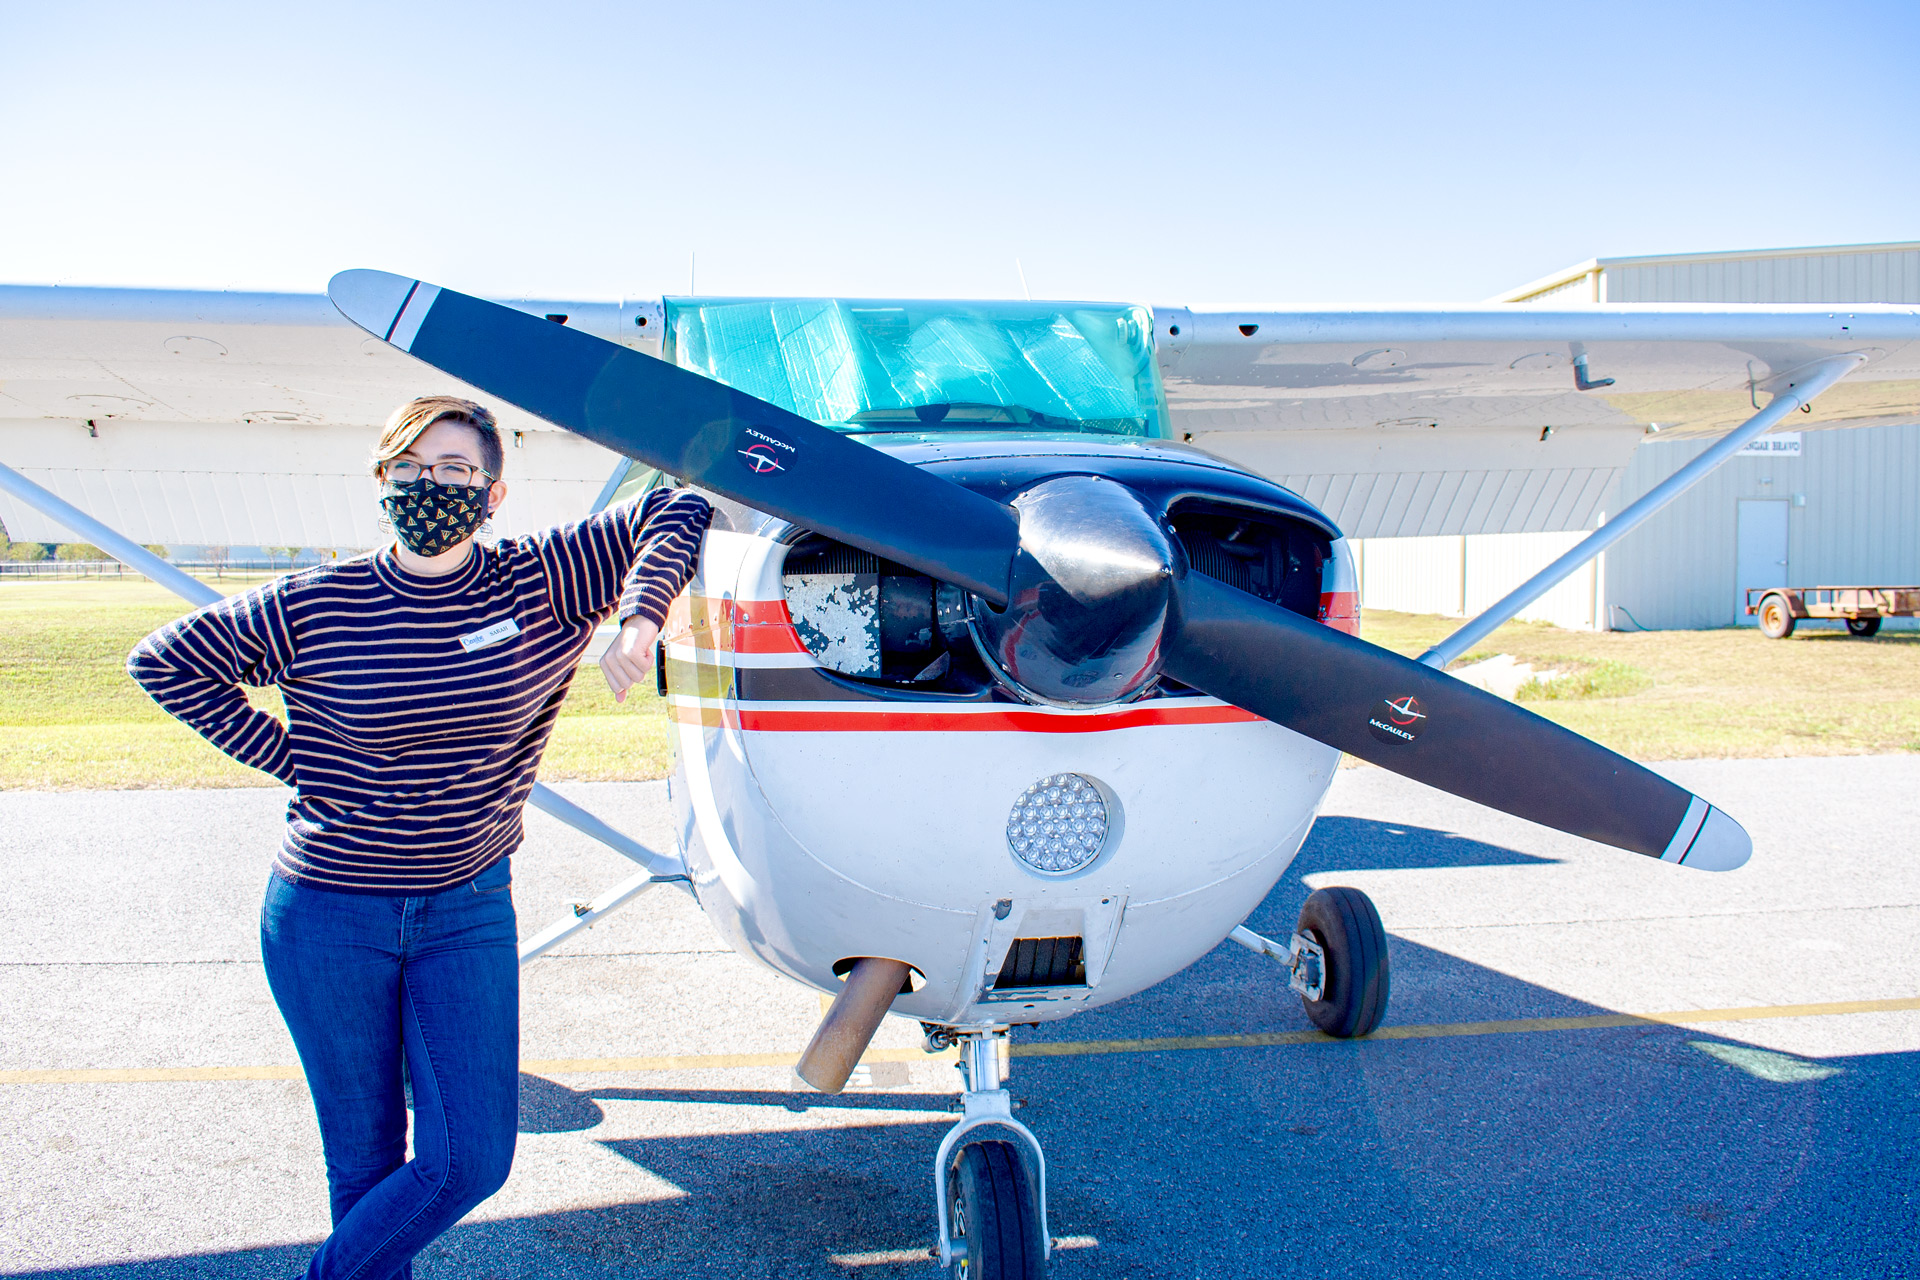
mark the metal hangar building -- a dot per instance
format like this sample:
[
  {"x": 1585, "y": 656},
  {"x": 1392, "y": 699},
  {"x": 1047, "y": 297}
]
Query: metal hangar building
[{"x": 1805, "y": 507}]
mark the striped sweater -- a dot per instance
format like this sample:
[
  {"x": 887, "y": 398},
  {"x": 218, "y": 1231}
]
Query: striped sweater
[{"x": 417, "y": 708}]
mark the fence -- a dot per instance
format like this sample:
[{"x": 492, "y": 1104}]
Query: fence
[{"x": 76, "y": 569}]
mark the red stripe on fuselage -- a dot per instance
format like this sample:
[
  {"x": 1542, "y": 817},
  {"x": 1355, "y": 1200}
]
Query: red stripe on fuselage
[
  {"x": 772, "y": 637},
  {"x": 1012, "y": 720},
  {"x": 1341, "y": 611},
  {"x": 740, "y": 626}
]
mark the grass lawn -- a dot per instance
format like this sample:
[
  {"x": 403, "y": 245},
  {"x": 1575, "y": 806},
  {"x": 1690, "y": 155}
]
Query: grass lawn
[
  {"x": 70, "y": 718},
  {"x": 1679, "y": 695}
]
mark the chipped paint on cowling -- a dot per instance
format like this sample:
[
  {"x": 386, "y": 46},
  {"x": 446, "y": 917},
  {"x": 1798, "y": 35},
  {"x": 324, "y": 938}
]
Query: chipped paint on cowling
[{"x": 838, "y": 618}]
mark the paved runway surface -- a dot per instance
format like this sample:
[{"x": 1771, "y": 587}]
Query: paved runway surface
[{"x": 1760, "y": 1140}]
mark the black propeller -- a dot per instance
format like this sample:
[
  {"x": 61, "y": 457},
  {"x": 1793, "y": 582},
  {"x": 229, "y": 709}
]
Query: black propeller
[
  {"x": 1407, "y": 717},
  {"x": 1064, "y": 616}
]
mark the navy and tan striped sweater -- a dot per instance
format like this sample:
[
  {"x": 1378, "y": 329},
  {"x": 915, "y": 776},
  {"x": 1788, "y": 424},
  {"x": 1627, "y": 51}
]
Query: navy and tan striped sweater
[{"x": 410, "y": 756}]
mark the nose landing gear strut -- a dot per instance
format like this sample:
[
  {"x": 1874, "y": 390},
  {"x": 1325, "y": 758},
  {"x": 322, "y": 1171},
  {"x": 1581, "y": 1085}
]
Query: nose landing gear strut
[{"x": 990, "y": 1194}]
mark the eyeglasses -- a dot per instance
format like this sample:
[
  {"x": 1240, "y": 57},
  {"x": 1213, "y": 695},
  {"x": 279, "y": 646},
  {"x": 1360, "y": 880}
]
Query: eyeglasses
[{"x": 402, "y": 471}]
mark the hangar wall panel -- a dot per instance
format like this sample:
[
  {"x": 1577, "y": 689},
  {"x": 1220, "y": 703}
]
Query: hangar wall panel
[
  {"x": 1413, "y": 575},
  {"x": 1427, "y": 504},
  {"x": 1853, "y": 494},
  {"x": 1460, "y": 576},
  {"x": 1860, "y": 524},
  {"x": 1497, "y": 563},
  {"x": 1853, "y": 519},
  {"x": 211, "y": 484},
  {"x": 1885, "y": 275}
]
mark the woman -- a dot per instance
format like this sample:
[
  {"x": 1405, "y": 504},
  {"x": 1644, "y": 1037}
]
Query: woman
[{"x": 421, "y": 684}]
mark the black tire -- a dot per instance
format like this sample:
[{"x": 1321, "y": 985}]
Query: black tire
[
  {"x": 1776, "y": 617},
  {"x": 1353, "y": 993},
  {"x": 992, "y": 1206},
  {"x": 1863, "y": 627}
]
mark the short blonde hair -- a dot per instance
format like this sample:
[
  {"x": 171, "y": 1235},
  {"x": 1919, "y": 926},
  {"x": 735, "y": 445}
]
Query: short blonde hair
[{"x": 412, "y": 419}]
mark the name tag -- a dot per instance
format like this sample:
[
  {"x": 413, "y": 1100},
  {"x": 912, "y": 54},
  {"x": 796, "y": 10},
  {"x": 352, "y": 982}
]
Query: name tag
[{"x": 505, "y": 629}]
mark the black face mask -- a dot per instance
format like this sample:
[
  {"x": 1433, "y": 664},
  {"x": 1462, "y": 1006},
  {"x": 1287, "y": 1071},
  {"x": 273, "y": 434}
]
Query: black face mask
[{"x": 429, "y": 517}]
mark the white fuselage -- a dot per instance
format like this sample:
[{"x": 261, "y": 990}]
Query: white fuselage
[{"x": 821, "y": 830}]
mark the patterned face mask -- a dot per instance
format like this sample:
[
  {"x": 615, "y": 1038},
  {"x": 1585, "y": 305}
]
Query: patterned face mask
[{"x": 429, "y": 517}]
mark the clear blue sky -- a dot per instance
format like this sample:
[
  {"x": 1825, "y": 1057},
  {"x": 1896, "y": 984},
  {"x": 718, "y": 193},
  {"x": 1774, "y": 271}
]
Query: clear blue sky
[{"x": 1174, "y": 153}]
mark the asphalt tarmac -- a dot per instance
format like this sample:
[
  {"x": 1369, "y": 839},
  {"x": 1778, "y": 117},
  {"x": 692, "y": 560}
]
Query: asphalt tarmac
[{"x": 1506, "y": 1123}]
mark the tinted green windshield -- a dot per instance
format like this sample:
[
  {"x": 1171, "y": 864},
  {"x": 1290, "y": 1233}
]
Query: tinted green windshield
[{"x": 930, "y": 366}]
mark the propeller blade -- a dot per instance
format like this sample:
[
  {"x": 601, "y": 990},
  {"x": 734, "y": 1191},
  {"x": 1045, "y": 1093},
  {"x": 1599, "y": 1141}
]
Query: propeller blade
[
  {"x": 1428, "y": 726},
  {"x": 695, "y": 428}
]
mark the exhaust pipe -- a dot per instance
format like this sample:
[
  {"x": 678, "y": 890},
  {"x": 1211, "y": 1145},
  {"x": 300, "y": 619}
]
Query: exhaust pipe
[{"x": 848, "y": 1028}]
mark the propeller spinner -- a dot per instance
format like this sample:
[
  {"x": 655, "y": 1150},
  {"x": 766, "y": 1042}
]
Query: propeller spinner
[
  {"x": 1081, "y": 595},
  {"x": 1094, "y": 591}
]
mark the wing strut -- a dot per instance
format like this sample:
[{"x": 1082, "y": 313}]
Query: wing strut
[
  {"x": 1792, "y": 391},
  {"x": 612, "y": 486},
  {"x": 661, "y": 868},
  {"x": 115, "y": 544}
]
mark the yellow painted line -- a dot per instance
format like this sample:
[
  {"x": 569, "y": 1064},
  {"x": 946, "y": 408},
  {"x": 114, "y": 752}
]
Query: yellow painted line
[
  {"x": 540, "y": 1066},
  {"x": 1435, "y": 1031},
  {"x": 144, "y": 1075},
  {"x": 1060, "y": 1049}
]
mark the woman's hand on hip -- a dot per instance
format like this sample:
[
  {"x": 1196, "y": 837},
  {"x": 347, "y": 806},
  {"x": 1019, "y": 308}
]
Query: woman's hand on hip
[{"x": 629, "y": 659}]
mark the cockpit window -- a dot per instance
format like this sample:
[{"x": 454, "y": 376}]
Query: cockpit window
[{"x": 862, "y": 366}]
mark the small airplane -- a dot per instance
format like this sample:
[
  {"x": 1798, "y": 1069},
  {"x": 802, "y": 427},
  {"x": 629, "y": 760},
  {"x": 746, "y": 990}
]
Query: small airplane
[{"x": 995, "y": 699}]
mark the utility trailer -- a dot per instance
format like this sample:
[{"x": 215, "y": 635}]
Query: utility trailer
[{"x": 1862, "y": 607}]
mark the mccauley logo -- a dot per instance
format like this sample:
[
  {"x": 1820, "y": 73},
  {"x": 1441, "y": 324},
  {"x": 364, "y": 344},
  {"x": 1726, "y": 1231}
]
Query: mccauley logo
[
  {"x": 761, "y": 457},
  {"x": 1398, "y": 719},
  {"x": 778, "y": 444}
]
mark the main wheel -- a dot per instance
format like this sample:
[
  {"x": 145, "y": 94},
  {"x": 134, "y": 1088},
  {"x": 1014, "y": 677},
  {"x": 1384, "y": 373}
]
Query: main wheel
[
  {"x": 1863, "y": 626},
  {"x": 1776, "y": 618},
  {"x": 1353, "y": 990},
  {"x": 992, "y": 1206}
]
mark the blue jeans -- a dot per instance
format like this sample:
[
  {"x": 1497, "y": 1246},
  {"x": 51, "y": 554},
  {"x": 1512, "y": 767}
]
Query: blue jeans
[{"x": 368, "y": 984}]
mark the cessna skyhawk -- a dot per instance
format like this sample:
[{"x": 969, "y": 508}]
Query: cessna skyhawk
[{"x": 994, "y": 698}]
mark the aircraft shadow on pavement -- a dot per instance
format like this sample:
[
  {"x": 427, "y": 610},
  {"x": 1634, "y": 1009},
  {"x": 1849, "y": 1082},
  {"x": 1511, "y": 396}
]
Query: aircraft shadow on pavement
[
  {"x": 1624, "y": 1152},
  {"x": 1339, "y": 843},
  {"x": 1644, "y": 1152},
  {"x": 547, "y": 1106}
]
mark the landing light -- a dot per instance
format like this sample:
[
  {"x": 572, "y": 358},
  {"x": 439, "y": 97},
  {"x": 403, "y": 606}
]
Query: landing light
[{"x": 1058, "y": 825}]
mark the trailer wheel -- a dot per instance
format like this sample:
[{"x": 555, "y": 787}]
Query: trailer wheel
[
  {"x": 1863, "y": 627},
  {"x": 1776, "y": 618}
]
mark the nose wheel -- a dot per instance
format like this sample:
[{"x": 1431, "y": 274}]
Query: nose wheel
[
  {"x": 993, "y": 1212},
  {"x": 990, "y": 1194}
]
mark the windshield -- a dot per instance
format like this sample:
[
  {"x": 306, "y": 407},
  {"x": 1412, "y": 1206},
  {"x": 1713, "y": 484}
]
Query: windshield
[{"x": 930, "y": 366}]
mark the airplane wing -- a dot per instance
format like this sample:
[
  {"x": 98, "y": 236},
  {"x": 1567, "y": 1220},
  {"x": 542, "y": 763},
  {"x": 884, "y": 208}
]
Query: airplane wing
[
  {"x": 1502, "y": 418},
  {"x": 246, "y": 418},
  {"x": 243, "y": 419}
]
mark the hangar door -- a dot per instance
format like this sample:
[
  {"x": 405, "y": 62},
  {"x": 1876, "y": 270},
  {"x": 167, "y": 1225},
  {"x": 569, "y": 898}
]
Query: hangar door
[{"x": 1761, "y": 550}]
